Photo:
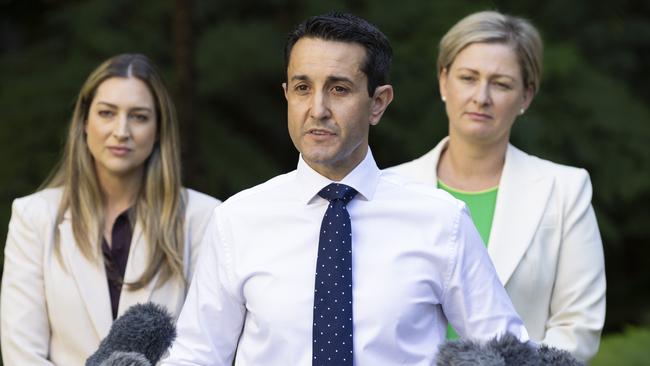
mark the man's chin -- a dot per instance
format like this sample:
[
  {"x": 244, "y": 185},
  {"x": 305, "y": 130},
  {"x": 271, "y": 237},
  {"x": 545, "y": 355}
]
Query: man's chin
[{"x": 320, "y": 156}]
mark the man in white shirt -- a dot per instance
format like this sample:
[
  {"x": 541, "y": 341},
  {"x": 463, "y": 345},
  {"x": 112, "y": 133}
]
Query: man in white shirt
[{"x": 416, "y": 259}]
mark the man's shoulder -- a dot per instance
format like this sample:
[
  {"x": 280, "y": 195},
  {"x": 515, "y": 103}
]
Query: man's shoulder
[
  {"x": 404, "y": 189},
  {"x": 272, "y": 189}
]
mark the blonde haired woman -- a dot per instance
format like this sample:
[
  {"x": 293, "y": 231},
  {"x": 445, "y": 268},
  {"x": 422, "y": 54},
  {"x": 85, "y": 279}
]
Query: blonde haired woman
[
  {"x": 113, "y": 227},
  {"x": 535, "y": 216}
]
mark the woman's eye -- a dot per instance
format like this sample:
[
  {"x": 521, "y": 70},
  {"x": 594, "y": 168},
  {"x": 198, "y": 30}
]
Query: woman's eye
[
  {"x": 141, "y": 117},
  {"x": 105, "y": 113},
  {"x": 467, "y": 78}
]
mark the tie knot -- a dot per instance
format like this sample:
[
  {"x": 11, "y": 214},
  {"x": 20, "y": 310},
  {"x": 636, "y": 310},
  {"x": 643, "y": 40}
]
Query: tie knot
[{"x": 337, "y": 191}]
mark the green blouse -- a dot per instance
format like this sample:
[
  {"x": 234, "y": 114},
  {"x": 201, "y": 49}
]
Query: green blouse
[{"x": 481, "y": 206}]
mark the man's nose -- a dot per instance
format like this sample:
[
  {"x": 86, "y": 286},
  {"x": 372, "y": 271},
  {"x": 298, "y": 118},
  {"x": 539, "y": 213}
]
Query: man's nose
[{"x": 320, "y": 108}]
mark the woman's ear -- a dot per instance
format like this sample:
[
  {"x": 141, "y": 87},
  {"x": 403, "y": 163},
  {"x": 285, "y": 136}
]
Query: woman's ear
[
  {"x": 442, "y": 84},
  {"x": 529, "y": 94}
]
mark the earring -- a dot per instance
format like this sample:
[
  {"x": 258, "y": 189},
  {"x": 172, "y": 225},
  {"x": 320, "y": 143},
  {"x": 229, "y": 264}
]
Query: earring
[
  {"x": 521, "y": 111},
  {"x": 444, "y": 99}
]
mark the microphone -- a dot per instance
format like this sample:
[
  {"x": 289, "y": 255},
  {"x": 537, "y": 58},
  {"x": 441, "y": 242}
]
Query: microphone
[
  {"x": 140, "y": 337},
  {"x": 504, "y": 351},
  {"x": 118, "y": 358}
]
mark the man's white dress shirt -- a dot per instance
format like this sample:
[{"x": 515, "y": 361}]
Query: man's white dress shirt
[{"x": 418, "y": 261}]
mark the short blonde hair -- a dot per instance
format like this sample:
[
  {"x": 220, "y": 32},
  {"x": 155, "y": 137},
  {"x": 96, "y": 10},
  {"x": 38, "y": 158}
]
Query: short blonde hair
[{"x": 494, "y": 27}]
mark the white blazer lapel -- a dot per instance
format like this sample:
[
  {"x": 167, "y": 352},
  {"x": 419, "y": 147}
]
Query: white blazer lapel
[
  {"x": 90, "y": 277},
  {"x": 138, "y": 260},
  {"x": 521, "y": 201}
]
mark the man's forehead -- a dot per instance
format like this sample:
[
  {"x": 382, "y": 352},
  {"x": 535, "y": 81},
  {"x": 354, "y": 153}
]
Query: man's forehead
[{"x": 337, "y": 58}]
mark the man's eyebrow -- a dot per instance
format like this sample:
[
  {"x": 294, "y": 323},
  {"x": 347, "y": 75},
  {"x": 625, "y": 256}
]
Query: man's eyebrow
[
  {"x": 331, "y": 78},
  {"x": 336, "y": 78},
  {"x": 299, "y": 78}
]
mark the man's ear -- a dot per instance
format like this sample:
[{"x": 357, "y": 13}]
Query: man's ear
[
  {"x": 380, "y": 101},
  {"x": 284, "y": 87}
]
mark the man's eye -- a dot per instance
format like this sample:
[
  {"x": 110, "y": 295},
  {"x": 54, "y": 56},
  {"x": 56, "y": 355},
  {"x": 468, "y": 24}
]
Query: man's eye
[
  {"x": 301, "y": 88},
  {"x": 340, "y": 89}
]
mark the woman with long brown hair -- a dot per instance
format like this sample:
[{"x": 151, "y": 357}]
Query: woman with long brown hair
[{"x": 112, "y": 227}]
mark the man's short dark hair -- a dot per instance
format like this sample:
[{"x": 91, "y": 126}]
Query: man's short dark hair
[{"x": 342, "y": 27}]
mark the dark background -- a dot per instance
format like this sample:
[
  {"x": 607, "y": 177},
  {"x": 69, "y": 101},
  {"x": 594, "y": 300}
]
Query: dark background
[{"x": 223, "y": 60}]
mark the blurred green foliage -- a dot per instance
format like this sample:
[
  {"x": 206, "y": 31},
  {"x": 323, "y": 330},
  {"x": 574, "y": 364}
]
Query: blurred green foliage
[
  {"x": 629, "y": 348},
  {"x": 592, "y": 111}
]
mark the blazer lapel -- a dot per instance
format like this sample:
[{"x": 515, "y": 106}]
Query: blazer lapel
[
  {"x": 138, "y": 260},
  {"x": 90, "y": 277},
  {"x": 521, "y": 201}
]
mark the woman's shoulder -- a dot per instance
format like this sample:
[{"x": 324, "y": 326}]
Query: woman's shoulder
[
  {"x": 565, "y": 175},
  {"x": 421, "y": 169},
  {"x": 198, "y": 211},
  {"x": 199, "y": 202},
  {"x": 38, "y": 209},
  {"x": 47, "y": 200}
]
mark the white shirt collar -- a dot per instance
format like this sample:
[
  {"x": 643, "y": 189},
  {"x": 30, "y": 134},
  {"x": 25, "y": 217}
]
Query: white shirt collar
[{"x": 364, "y": 178}]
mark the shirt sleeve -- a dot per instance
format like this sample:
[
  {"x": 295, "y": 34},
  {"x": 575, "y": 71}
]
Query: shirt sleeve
[
  {"x": 25, "y": 325},
  {"x": 577, "y": 311},
  {"x": 211, "y": 321},
  {"x": 474, "y": 301}
]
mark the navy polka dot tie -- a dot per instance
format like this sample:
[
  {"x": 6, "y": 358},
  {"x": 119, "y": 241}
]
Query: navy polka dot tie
[{"x": 332, "y": 333}]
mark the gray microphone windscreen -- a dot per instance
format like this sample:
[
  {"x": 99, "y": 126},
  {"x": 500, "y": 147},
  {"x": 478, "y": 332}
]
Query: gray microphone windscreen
[
  {"x": 147, "y": 329},
  {"x": 126, "y": 359},
  {"x": 505, "y": 350}
]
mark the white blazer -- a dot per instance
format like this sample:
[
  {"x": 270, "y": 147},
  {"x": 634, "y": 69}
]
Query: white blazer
[
  {"x": 57, "y": 315},
  {"x": 545, "y": 245}
]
